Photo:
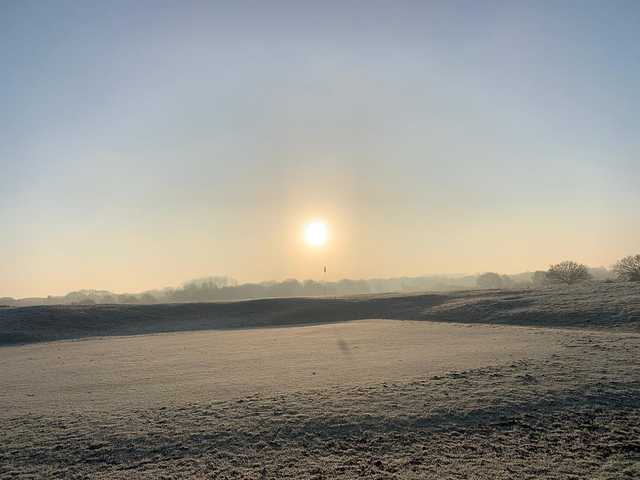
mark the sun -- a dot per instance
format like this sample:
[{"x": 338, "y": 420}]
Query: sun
[{"x": 316, "y": 233}]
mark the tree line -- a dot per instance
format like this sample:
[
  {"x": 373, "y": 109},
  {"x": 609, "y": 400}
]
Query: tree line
[
  {"x": 211, "y": 289},
  {"x": 567, "y": 272}
]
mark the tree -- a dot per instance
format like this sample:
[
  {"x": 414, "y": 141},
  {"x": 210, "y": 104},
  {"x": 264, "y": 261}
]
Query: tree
[
  {"x": 507, "y": 281},
  {"x": 628, "y": 268},
  {"x": 539, "y": 278},
  {"x": 148, "y": 299},
  {"x": 490, "y": 280},
  {"x": 568, "y": 272}
]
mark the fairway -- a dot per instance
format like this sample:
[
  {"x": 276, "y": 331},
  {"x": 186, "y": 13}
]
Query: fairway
[{"x": 112, "y": 373}]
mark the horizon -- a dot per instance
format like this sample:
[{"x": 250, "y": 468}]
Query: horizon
[
  {"x": 235, "y": 283},
  {"x": 151, "y": 142}
]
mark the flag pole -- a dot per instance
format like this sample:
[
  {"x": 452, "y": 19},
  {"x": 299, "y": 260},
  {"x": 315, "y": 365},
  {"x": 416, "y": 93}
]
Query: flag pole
[{"x": 324, "y": 280}]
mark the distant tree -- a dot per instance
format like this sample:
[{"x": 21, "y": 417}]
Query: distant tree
[
  {"x": 507, "y": 281},
  {"x": 628, "y": 268},
  {"x": 539, "y": 278},
  {"x": 110, "y": 299},
  {"x": 147, "y": 298},
  {"x": 490, "y": 280},
  {"x": 85, "y": 301},
  {"x": 7, "y": 301},
  {"x": 127, "y": 298},
  {"x": 600, "y": 274},
  {"x": 568, "y": 272}
]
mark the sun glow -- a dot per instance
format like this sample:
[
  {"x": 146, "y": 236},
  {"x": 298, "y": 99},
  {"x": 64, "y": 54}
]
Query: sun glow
[{"x": 316, "y": 233}]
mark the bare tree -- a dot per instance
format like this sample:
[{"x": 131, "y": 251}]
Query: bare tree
[
  {"x": 628, "y": 268},
  {"x": 568, "y": 272}
]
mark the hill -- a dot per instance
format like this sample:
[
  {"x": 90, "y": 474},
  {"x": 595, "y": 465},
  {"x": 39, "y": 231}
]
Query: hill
[{"x": 595, "y": 306}]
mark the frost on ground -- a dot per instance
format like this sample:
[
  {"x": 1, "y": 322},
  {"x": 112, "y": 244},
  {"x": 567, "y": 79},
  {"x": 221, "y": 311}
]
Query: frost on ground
[
  {"x": 572, "y": 414},
  {"x": 141, "y": 371},
  {"x": 484, "y": 402}
]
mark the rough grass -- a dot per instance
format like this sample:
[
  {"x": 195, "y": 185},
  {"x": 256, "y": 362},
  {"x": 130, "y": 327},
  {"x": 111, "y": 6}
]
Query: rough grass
[{"x": 593, "y": 306}]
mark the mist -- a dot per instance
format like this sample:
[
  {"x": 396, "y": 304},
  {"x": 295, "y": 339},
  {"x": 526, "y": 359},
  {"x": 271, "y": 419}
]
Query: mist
[{"x": 222, "y": 288}]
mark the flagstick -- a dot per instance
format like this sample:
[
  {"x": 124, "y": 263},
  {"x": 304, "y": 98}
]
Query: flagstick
[{"x": 324, "y": 280}]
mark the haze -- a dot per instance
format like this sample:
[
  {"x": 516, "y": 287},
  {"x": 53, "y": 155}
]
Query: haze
[{"x": 145, "y": 143}]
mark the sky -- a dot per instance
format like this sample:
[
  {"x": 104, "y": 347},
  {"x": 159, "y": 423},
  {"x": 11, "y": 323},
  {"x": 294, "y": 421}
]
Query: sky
[{"x": 146, "y": 143}]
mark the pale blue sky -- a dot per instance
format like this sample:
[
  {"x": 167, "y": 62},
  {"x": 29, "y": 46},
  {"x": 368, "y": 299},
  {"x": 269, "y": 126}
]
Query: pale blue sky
[{"x": 145, "y": 143}]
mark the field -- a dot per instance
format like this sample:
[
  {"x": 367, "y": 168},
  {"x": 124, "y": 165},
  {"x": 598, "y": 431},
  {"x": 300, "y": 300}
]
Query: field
[{"x": 494, "y": 384}]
